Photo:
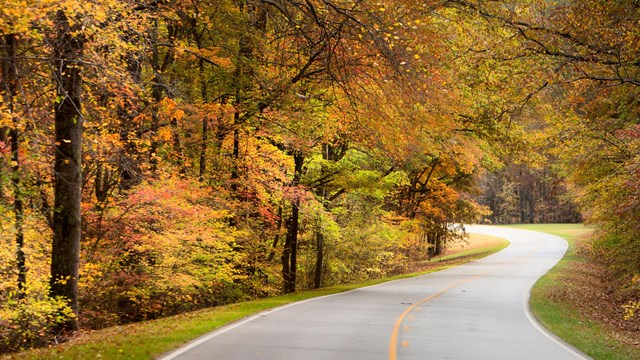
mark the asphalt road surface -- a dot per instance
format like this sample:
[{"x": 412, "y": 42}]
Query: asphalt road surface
[{"x": 474, "y": 311}]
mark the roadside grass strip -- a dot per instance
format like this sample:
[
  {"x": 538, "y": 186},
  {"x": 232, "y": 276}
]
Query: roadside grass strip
[{"x": 562, "y": 317}]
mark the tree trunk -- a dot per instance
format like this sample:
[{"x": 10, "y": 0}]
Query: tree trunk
[
  {"x": 235, "y": 168},
  {"x": 102, "y": 184},
  {"x": 179, "y": 148},
  {"x": 129, "y": 162},
  {"x": 156, "y": 94},
  {"x": 440, "y": 239},
  {"x": 290, "y": 253},
  {"x": 205, "y": 119},
  {"x": 521, "y": 198},
  {"x": 10, "y": 76},
  {"x": 65, "y": 252},
  {"x": 236, "y": 156},
  {"x": 18, "y": 208},
  {"x": 276, "y": 238},
  {"x": 4, "y": 130},
  {"x": 317, "y": 279}
]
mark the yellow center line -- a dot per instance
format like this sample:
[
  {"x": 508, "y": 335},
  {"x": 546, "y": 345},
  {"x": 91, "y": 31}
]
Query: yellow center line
[{"x": 393, "y": 343}]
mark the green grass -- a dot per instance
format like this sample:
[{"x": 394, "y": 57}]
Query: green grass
[
  {"x": 561, "y": 317},
  {"x": 150, "y": 339}
]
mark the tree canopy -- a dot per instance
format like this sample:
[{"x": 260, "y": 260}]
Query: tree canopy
[{"x": 163, "y": 156}]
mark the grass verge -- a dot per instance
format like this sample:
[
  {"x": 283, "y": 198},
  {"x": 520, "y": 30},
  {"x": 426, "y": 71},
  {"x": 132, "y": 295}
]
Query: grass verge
[
  {"x": 564, "y": 298},
  {"x": 150, "y": 339}
]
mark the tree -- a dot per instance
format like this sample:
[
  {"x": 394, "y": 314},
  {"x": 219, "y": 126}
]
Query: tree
[
  {"x": 10, "y": 91},
  {"x": 65, "y": 254}
]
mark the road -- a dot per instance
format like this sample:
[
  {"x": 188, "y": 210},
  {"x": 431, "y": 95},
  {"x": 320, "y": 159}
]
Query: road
[{"x": 474, "y": 311}]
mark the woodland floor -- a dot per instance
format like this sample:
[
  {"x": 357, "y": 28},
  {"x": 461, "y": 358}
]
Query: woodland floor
[
  {"x": 590, "y": 290},
  {"x": 586, "y": 285}
]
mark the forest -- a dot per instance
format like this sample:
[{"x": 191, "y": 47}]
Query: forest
[{"x": 161, "y": 156}]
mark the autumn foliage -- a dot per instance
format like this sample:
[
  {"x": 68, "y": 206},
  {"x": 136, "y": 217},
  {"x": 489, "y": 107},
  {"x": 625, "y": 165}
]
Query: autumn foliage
[{"x": 238, "y": 149}]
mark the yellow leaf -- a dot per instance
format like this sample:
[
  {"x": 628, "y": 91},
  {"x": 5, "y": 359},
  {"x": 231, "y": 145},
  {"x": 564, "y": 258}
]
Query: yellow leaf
[
  {"x": 164, "y": 134},
  {"x": 178, "y": 115}
]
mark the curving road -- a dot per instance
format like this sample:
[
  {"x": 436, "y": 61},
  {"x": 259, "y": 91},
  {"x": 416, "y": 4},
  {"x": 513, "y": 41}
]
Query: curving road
[{"x": 474, "y": 311}]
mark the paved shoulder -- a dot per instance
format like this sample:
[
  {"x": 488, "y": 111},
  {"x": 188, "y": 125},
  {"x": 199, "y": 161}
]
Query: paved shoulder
[{"x": 474, "y": 311}]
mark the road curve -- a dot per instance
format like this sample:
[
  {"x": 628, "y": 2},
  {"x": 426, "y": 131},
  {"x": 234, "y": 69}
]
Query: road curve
[{"x": 473, "y": 311}]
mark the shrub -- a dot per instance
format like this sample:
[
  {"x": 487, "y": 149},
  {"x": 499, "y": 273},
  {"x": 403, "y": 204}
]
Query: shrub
[{"x": 32, "y": 320}]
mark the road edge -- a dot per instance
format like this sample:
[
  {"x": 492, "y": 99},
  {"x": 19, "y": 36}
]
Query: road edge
[{"x": 551, "y": 336}]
